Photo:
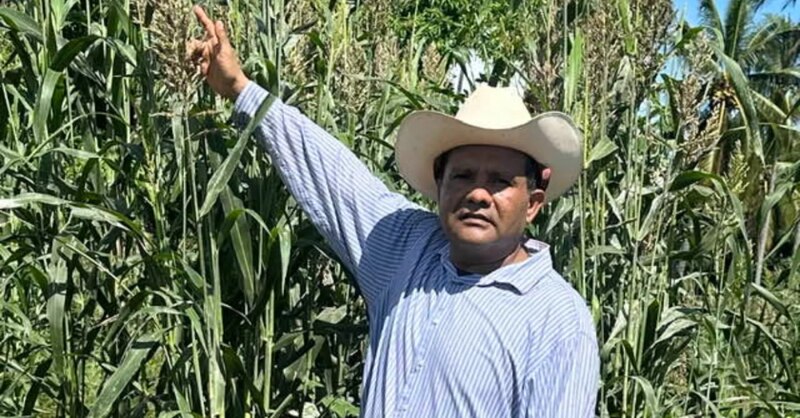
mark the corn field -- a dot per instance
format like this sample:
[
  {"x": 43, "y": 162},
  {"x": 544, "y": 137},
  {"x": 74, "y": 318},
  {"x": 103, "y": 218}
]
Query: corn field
[{"x": 153, "y": 265}]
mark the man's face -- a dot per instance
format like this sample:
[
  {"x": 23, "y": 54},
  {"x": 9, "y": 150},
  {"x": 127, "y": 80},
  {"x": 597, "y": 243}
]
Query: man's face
[{"x": 484, "y": 200}]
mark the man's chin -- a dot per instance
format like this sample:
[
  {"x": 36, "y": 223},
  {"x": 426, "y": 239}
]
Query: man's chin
[{"x": 472, "y": 239}]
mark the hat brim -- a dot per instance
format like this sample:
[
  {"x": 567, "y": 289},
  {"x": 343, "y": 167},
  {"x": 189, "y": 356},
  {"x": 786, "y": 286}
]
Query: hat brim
[{"x": 551, "y": 138}]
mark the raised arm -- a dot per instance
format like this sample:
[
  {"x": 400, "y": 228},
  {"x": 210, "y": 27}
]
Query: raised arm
[{"x": 353, "y": 209}]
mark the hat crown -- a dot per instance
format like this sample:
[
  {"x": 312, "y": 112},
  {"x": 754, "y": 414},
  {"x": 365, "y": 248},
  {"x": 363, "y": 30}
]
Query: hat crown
[{"x": 494, "y": 108}]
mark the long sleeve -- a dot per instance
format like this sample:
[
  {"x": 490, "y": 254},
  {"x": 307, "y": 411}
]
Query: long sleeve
[
  {"x": 564, "y": 385},
  {"x": 368, "y": 226}
]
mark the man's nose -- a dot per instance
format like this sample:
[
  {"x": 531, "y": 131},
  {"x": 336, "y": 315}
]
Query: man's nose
[{"x": 480, "y": 196}]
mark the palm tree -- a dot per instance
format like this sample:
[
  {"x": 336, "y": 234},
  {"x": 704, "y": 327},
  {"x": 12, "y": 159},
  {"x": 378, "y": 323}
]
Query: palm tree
[
  {"x": 755, "y": 94},
  {"x": 772, "y": 59},
  {"x": 754, "y": 63}
]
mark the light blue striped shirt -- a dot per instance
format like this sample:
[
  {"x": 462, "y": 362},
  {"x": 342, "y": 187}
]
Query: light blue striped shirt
[{"x": 518, "y": 342}]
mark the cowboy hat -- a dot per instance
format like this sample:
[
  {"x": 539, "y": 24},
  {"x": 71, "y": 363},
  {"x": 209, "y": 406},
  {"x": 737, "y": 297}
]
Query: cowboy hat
[{"x": 489, "y": 116}]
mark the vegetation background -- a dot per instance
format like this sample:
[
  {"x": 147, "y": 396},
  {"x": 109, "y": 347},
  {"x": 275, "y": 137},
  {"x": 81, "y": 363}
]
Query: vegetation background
[{"x": 152, "y": 264}]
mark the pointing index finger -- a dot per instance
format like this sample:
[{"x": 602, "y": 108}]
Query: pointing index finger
[{"x": 205, "y": 21}]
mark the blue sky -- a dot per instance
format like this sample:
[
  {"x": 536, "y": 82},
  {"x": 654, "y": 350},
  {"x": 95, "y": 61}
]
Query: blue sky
[{"x": 691, "y": 9}]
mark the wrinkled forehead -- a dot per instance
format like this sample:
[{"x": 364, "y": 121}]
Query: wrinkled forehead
[{"x": 486, "y": 157}]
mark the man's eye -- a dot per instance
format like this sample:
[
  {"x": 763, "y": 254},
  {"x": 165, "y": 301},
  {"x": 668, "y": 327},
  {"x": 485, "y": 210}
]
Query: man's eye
[{"x": 459, "y": 176}]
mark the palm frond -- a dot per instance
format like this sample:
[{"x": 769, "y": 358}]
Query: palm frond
[
  {"x": 709, "y": 15},
  {"x": 773, "y": 44},
  {"x": 778, "y": 79},
  {"x": 737, "y": 16}
]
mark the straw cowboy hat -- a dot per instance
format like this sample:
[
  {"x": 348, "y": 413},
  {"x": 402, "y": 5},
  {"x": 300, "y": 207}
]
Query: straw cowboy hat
[{"x": 489, "y": 116}]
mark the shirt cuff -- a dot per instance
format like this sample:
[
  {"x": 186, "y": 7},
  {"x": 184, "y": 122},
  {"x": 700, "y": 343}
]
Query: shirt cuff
[{"x": 248, "y": 102}]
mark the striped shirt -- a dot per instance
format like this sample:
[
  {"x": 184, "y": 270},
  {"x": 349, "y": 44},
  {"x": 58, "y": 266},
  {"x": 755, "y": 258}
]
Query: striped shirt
[{"x": 518, "y": 342}]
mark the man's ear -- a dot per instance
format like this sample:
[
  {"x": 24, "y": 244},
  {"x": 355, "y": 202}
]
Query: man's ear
[
  {"x": 536, "y": 197},
  {"x": 535, "y": 203}
]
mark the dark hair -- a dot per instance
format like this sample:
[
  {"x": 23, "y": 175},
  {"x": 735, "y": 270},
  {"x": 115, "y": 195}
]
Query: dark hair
[{"x": 532, "y": 170}]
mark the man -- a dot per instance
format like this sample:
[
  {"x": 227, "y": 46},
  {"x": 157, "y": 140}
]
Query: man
[{"x": 466, "y": 317}]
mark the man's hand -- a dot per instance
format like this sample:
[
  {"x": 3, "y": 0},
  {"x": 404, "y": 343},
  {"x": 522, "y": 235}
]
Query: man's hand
[{"x": 216, "y": 58}]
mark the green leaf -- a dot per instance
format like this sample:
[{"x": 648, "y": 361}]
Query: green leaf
[
  {"x": 56, "y": 299},
  {"x": 21, "y": 22},
  {"x": 242, "y": 244},
  {"x": 564, "y": 206},
  {"x": 67, "y": 53},
  {"x": 95, "y": 214},
  {"x": 772, "y": 300},
  {"x": 573, "y": 71},
  {"x": 776, "y": 348},
  {"x": 649, "y": 395},
  {"x": 744, "y": 101},
  {"x": 25, "y": 199},
  {"x": 36, "y": 386},
  {"x": 687, "y": 34},
  {"x": 127, "y": 51},
  {"x": 117, "y": 11},
  {"x": 794, "y": 270},
  {"x": 130, "y": 308},
  {"x": 688, "y": 178},
  {"x": 60, "y": 9},
  {"x": 194, "y": 277},
  {"x": 650, "y": 219},
  {"x": 772, "y": 199},
  {"x": 43, "y": 104},
  {"x": 601, "y": 150},
  {"x": 788, "y": 76},
  {"x": 624, "y": 9},
  {"x": 603, "y": 249},
  {"x": 84, "y": 155},
  {"x": 708, "y": 403},
  {"x": 223, "y": 174},
  {"x": 285, "y": 245},
  {"x": 308, "y": 353},
  {"x": 340, "y": 406},
  {"x": 183, "y": 404},
  {"x": 332, "y": 315},
  {"x": 679, "y": 326},
  {"x": 132, "y": 362}
]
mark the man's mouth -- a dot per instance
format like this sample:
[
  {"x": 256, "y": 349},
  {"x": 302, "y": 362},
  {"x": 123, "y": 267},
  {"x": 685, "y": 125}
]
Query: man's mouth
[{"x": 471, "y": 217}]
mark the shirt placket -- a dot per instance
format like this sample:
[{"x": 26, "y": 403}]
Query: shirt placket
[{"x": 419, "y": 361}]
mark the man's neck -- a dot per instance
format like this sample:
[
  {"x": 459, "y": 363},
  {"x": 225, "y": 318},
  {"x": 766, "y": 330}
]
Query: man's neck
[{"x": 467, "y": 262}]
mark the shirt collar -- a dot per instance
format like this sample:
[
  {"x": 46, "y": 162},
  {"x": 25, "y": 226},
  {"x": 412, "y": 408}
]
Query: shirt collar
[{"x": 522, "y": 276}]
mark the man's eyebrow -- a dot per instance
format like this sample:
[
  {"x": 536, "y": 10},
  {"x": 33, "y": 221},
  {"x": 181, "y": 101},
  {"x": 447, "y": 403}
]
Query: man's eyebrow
[
  {"x": 506, "y": 172},
  {"x": 456, "y": 167},
  {"x": 500, "y": 172}
]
